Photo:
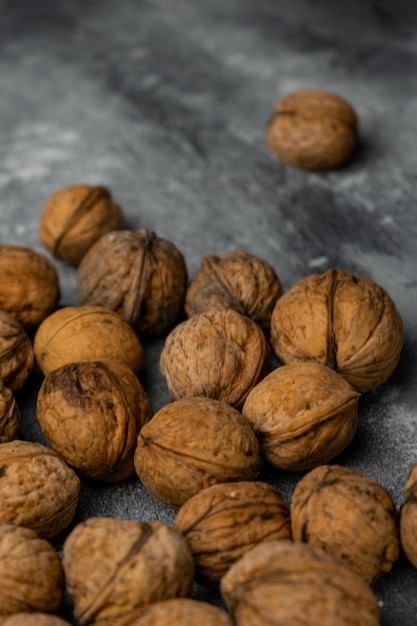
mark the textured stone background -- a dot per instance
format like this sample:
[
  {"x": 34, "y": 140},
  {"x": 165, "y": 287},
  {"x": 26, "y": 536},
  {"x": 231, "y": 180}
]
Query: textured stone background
[{"x": 165, "y": 102}]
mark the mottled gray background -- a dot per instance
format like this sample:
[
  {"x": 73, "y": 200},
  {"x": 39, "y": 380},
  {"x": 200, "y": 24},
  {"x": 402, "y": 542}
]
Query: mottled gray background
[{"x": 165, "y": 102}]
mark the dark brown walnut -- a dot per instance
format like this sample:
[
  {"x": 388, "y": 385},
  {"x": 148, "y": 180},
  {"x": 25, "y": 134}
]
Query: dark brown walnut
[
  {"x": 37, "y": 488},
  {"x": 75, "y": 217},
  {"x": 408, "y": 516},
  {"x": 91, "y": 414},
  {"x": 191, "y": 444},
  {"x": 349, "y": 515},
  {"x": 280, "y": 582},
  {"x": 312, "y": 129},
  {"x": 9, "y": 415},
  {"x": 303, "y": 414},
  {"x": 29, "y": 285},
  {"x": 16, "y": 352},
  {"x": 222, "y": 522},
  {"x": 113, "y": 567},
  {"x": 34, "y": 619},
  {"x": 181, "y": 612},
  {"x": 219, "y": 354},
  {"x": 237, "y": 280},
  {"x": 88, "y": 333},
  {"x": 137, "y": 274},
  {"x": 31, "y": 573},
  {"x": 343, "y": 321}
]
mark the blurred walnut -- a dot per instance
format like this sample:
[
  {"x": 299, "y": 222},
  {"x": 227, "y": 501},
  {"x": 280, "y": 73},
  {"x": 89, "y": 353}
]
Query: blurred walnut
[
  {"x": 303, "y": 415},
  {"x": 16, "y": 352},
  {"x": 340, "y": 320},
  {"x": 75, "y": 217},
  {"x": 137, "y": 274},
  {"x": 181, "y": 612},
  {"x": 194, "y": 443},
  {"x": 34, "y": 619},
  {"x": 349, "y": 515},
  {"x": 91, "y": 414},
  {"x": 9, "y": 415},
  {"x": 88, "y": 333},
  {"x": 408, "y": 516},
  {"x": 220, "y": 354},
  {"x": 113, "y": 567}
]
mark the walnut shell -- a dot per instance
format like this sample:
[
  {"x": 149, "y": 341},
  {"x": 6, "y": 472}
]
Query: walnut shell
[
  {"x": 34, "y": 619},
  {"x": 303, "y": 414},
  {"x": 87, "y": 333},
  {"x": 91, "y": 414},
  {"x": 408, "y": 516},
  {"x": 31, "y": 573},
  {"x": 16, "y": 352},
  {"x": 349, "y": 515},
  {"x": 113, "y": 567},
  {"x": 9, "y": 415},
  {"x": 313, "y": 130},
  {"x": 37, "y": 488},
  {"x": 191, "y": 444},
  {"x": 343, "y": 321},
  {"x": 280, "y": 582},
  {"x": 181, "y": 612},
  {"x": 137, "y": 274},
  {"x": 75, "y": 217},
  {"x": 222, "y": 522},
  {"x": 219, "y": 354},
  {"x": 236, "y": 280},
  {"x": 29, "y": 285}
]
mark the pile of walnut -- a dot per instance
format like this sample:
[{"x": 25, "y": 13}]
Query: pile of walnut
[{"x": 336, "y": 336}]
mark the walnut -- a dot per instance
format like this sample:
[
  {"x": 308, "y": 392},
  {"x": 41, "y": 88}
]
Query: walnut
[
  {"x": 191, "y": 444},
  {"x": 303, "y": 415},
  {"x": 280, "y": 582},
  {"x": 29, "y": 285},
  {"x": 181, "y": 612},
  {"x": 137, "y": 274},
  {"x": 91, "y": 414},
  {"x": 87, "y": 333},
  {"x": 34, "y": 619},
  {"x": 343, "y": 321},
  {"x": 31, "y": 574},
  {"x": 408, "y": 516},
  {"x": 222, "y": 522},
  {"x": 236, "y": 280},
  {"x": 349, "y": 515},
  {"x": 16, "y": 352},
  {"x": 75, "y": 217},
  {"x": 113, "y": 567},
  {"x": 37, "y": 488},
  {"x": 219, "y": 354},
  {"x": 9, "y": 415}
]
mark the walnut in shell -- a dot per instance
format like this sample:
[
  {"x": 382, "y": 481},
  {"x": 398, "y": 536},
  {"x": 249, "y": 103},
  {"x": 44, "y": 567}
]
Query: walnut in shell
[
  {"x": 350, "y": 516},
  {"x": 181, "y": 612},
  {"x": 91, "y": 414},
  {"x": 219, "y": 354},
  {"x": 9, "y": 415},
  {"x": 16, "y": 352},
  {"x": 222, "y": 522},
  {"x": 34, "y": 619},
  {"x": 75, "y": 217},
  {"x": 137, "y": 274},
  {"x": 113, "y": 567},
  {"x": 303, "y": 415},
  {"x": 408, "y": 516},
  {"x": 37, "y": 488},
  {"x": 191, "y": 444},
  {"x": 343, "y": 321}
]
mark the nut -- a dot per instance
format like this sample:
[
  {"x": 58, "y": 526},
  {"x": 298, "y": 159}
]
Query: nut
[
  {"x": 303, "y": 414},
  {"x": 313, "y": 130},
  {"x": 34, "y": 619},
  {"x": 349, "y": 515},
  {"x": 16, "y": 352},
  {"x": 224, "y": 521},
  {"x": 408, "y": 516},
  {"x": 9, "y": 415},
  {"x": 236, "y": 280},
  {"x": 137, "y": 274},
  {"x": 220, "y": 354},
  {"x": 87, "y": 333},
  {"x": 91, "y": 414},
  {"x": 181, "y": 612},
  {"x": 113, "y": 567},
  {"x": 191, "y": 444},
  {"x": 37, "y": 488},
  {"x": 343, "y": 321},
  {"x": 75, "y": 217}
]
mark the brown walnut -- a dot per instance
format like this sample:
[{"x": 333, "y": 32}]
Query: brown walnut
[
  {"x": 9, "y": 415},
  {"x": 16, "y": 352},
  {"x": 181, "y": 612},
  {"x": 34, "y": 619},
  {"x": 408, "y": 516}
]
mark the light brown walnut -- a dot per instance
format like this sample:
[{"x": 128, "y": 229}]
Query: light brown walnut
[
  {"x": 408, "y": 516},
  {"x": 181, "y": 612},
  {"x": 34, "y": 619},
  {"x": 16, "y": 352}
]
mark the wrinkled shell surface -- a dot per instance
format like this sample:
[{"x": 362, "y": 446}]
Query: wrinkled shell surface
[
  {"x": 343, "y": 321},
  {"x": 191, "y": 444},
  {"x": 408, "y": 516},
  {"x": 349, "y": 515},
  {"x": 37, "y": 488},
  {"x": 34, "y": 619},
  {"x": 9, "y": 415},
  {"x": 222, "y": 522},
  {"x": 220, "y": 354},
  {"x": 137, "y": 274},
  {"x": 86, "y": 333},
  {"x": 91, "y": 414},
  {"x": 280, "y": 582},
  {"x": 303, "y": 415},
  {"x": 113, "y": 567},
  {"x": 16, "y": 352},
  {"x": 182, "y": 612}
]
